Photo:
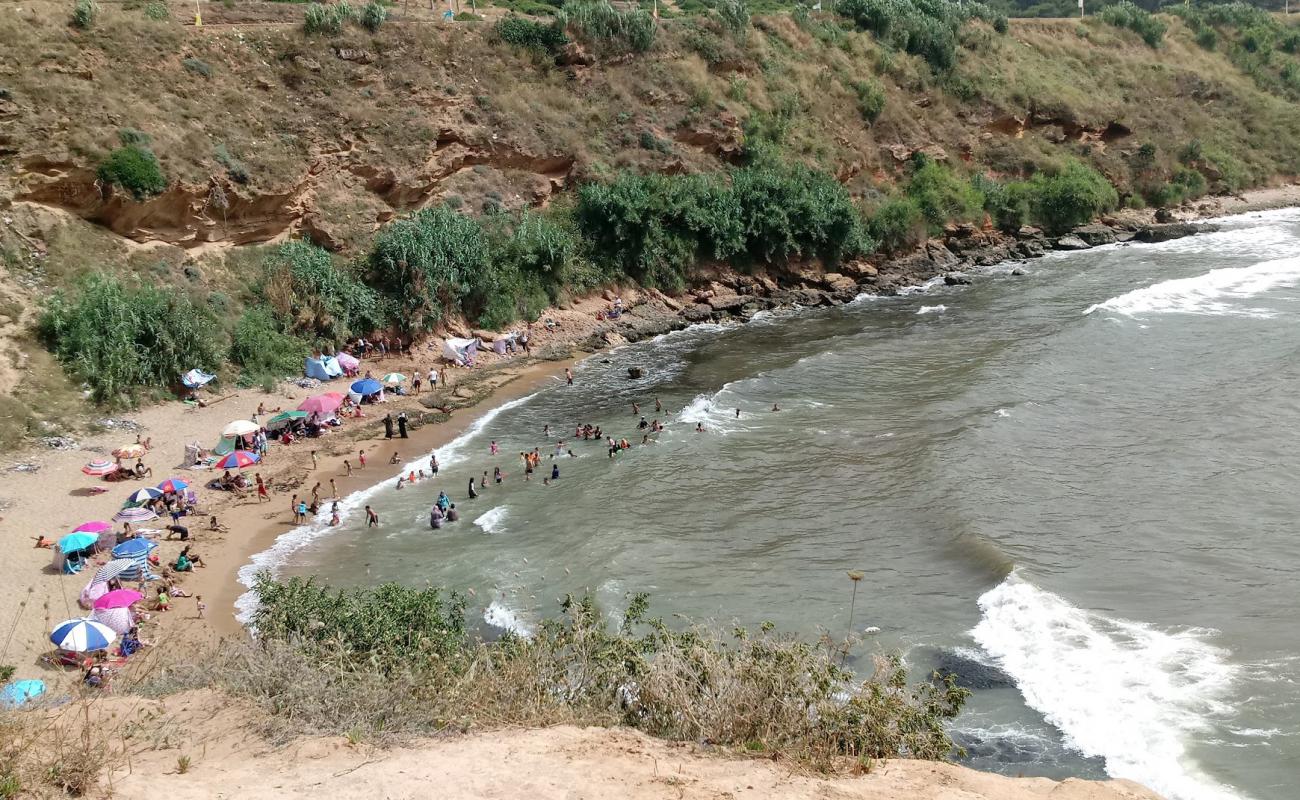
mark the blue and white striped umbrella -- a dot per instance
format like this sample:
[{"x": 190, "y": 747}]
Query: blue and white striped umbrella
[
  {"x": 82, "y": 636},
  {"x": 115, "y": 568},
  {"x": 135, "y": 515}
]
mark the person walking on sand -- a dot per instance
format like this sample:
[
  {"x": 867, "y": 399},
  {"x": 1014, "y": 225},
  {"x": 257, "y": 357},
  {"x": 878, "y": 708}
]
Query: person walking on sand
[
  {"x": 372, "y": 519},
  {"x": 568, "y": 375},
  {"x": 313, "y": 460},
  {"x": 293, "y": 506},
  {"x": 433, "y": 379},
  {"x": 401, "y": 425},
  {"x": 334, "y": 490},
  {"x": 315, "y": 494},
  {"x": 262, "y": 495},
  {"x": 388, "y": 425},
  {"x": 347, "y": 469},
  {"x": 361, "y": 459},
  {"x": 415, "y": 383}
]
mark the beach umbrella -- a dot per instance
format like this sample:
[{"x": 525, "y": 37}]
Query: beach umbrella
[
  {"x": 118, "y": 620},
  {"x": 347, "y": 361},
  {"x": 176, "y": 485},
  {"x": 143, "y": 495},
  {"x": 100, "y": 466},
  {"x": 135, "y": 515},
  {"x": 82, "y": 635},
  {"x": 238, "y": 460},
  {"x": 134, "y": 549},
  {"x": 321, "y": 404},
  {"x": 77, "y": 541},
  {"x": 284, "y": 418},
  {"x": 93, "y": 591},
  {"x": 17, "y": 693},
  {"x": 240, "y": 427},
  {"x": 367, "y": 386},
  {"x": 393, "y": 378},
  {"x": 112, "y": 570},
  {"x": 130, "y": 451},
  {"x": 196, "y": 378},
  {"x": 119, "y": 598},
  {"x": 96, "y": 526}
]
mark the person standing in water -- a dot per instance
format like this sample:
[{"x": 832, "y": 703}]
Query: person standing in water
[
  {"x": 433, "y": 463},
  {"x": 659, "y": 407},
  {"x": 555, "y": 472},
  {"x": 492, "y": 448},
  {"x": 738, "y": 413},
  {"x": 776, "y": 407},
  {"x": 473, "y": 493},
  {"x": 372, "y": 519},
  {"x": 568, "y": 375}
]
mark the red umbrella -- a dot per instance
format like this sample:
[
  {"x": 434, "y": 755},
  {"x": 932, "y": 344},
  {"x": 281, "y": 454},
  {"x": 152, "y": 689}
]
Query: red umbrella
[
  {"x": 238, "y": 460},
  {"x": 119, "y": 598},
  {"x": 173, "y": 485},
  {"x": 322, "y": 403}
]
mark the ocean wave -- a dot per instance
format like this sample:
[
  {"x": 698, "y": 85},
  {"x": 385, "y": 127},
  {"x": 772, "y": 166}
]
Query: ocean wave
[
  {"x": 1120, "y": 690},
  {"x": 714, "y": 411},
  {"x": 490, "y": 521},
  {"x": 1212, "y": 293},
  {"x": 922, "y": 288},
  {"x": 499, "y": 615},
  {"x": 288, "y": 543},
  {"x": 939, "y": 309}
]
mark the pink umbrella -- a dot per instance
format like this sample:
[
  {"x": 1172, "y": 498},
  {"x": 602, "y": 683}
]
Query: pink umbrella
[
  {"x": 100, "y": 466},
  {"x": 347, "y": 361},
  {"x": 119, "y": 620},
  {"x": 98, "y": 526},
  {"x": 321, "y": 404},
  {"x": 119, "y": 598}
]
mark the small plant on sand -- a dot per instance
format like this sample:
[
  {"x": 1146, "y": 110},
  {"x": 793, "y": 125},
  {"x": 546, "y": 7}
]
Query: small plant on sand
[
  {"x": 84, "y": 13},
  {"x": 198, "y": 66},
  {"x": 156, "y": 10},
  {"x": 328, "y": 20},
  {"x": 182, "y": 765}
]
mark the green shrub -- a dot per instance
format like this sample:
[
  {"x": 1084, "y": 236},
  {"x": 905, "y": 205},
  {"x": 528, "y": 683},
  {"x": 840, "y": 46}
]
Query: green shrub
[
  {"x": 119, "y": 340},
  {"x": 897, "y": 224},
  {"x": 598, "y": 23},
  {"x": 84, "y": 13},
  {"x": 373, "y": 16},
  {"x": 533, "y": 256},
  {"x": 1192, "y": 182},
  {"x": 316, "y": 299},
  {"x": 1126, "y": 14},
  {"x": 871, "y": 99},
  {"x": 925, "y": 28},
  {"x": 734, "y": 15},
  {"x": 234, "y": 167},
  {"x": 261, "y": 347},
  {"x": 523, "y": 32},
  {"x": 1164, "y": 195},
  {"x": 197, "y": 66},
  {"x": 1070, "y": 197},
  {"x": 135, "y": 168},
  {"x": 403, "y": 661},
  {"x": 797, "y": 212},
  {"x": 1007, "y": 204},
  {"x": 1207, "y": 38},
  {"x": 156, "y": 10},
  {"x": 328, "y": 20},
  {"x": 428, "y": 262},
  {"x": 941, "y": 196}
]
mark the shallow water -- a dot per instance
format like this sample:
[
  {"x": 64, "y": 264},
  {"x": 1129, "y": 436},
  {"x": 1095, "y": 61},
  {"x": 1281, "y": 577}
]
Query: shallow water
[{"x": 1085, "y": 475}]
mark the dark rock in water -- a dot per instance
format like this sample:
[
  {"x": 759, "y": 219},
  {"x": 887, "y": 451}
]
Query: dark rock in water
[
  {"x": 1031, "y": 248},
  {"x": 1164, "y": 215},
  {"x": 1071, "y": 242},
  {"x": 1017, "y": 272},
  {"x": 1170, "y": 231},
  {"x": 1095, "y": 235},
  {"x": 634, "y": 373},
  {"x": 955, "y": 279},
  {"x": 971, "y": 674}
]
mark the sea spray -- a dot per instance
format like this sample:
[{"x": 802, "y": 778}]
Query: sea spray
[
  {"x": 491, "y": 520},
  {"x": 350, "y": 507},
  {"x": 1212, "y": 293},
  {"x": 1117, "y": 689}
]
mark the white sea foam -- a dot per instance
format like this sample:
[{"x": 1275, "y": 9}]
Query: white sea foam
[
  {"x": 939, "y": 309},
  {"x": 922, "y": 288},
  {"x": 1213, "y": 293},
  {"x": 1120, "y": 690},
  {"x": 1002, "y": 412},
  {"x": 350, "y": 507},
  {"x": 499, "y": 615},
  {"x": 490, "y": 521},
  {"x": 717, "y": 412}
]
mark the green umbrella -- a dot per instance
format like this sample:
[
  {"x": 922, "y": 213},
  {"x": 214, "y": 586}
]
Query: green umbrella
[{"x": 284, "y": 418}]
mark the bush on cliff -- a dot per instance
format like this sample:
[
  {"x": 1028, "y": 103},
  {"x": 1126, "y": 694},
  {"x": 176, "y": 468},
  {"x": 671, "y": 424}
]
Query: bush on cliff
[
  {"x": 941, "y": 196},
  {"x": 1125, "y": 14},
  {"x": 118, "y": 339},
  {"x": 428, "y": 263},
  {"x": 317, "y": 299},
  {"x": 523, "y": 32},
  {"x": 133, "y": 167},
  {"x": 599, "y": 24},
  {"x": 1071, "y": 196},
  {"x": 392, "y": 661},
  {"x": 925, "y": 28},
  {"x": 263, "y": 349}
]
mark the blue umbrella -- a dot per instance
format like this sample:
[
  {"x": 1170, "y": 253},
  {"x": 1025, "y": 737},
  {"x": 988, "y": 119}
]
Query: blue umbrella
[
  {"x": 144, "y": 495},
  {"x": 367, "y": 386},
  {"x": 19, "y": 692},
  {"x": 77, "y": 541},
  {"x": 133, "y": 548},
  {"x": 82, "y": 636}
]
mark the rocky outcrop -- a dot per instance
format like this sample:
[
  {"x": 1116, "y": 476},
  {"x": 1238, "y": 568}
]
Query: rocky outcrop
[{"x": 1172, "y": 230}]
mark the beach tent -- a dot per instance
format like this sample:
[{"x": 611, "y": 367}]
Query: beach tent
[
  {"x": 460, "y": 350},
  {"x": 225, "y": 446},
  {"x": 15, "y": 694},
  {"x": 332, "y": 366},
  {"x": 315, "y": 368},
  {"x": 196, "y": 378}
]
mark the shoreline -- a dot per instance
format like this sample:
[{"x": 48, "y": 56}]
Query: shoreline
[{"x": 719, "y": 294}]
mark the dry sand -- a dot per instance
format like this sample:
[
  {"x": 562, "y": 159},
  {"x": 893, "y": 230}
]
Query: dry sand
[{"x": 560, "y": 763}]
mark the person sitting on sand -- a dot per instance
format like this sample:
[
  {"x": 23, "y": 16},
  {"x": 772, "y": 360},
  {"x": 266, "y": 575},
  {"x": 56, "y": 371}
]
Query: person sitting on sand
[
  {"x": 41, "y": 541},
  {"x": 141, "y": 471},
  {"x": 96, "y": 676},
  {"x": 163, "y": 602},
  {"x": 394, "y": 459},
  {"x": 213, "y": 525},
  {"x": 130, "y": 643}
]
